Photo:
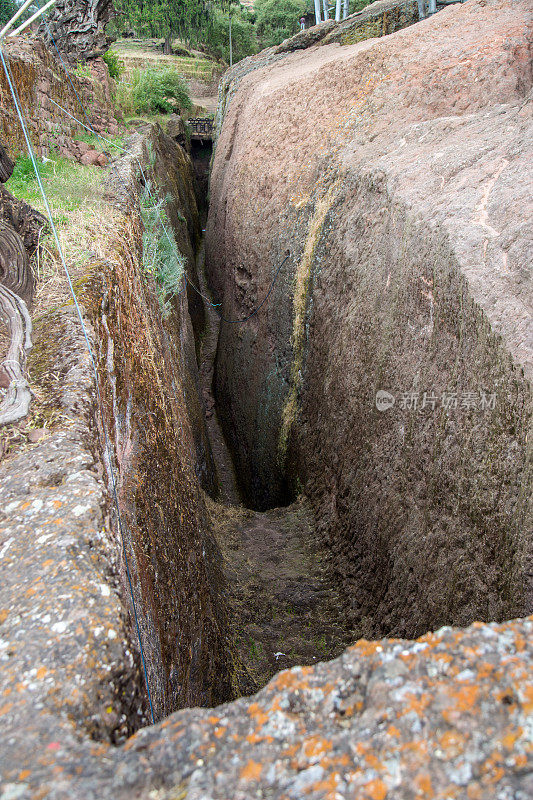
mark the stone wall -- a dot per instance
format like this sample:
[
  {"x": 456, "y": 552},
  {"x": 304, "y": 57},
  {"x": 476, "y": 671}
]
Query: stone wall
[{"x": 39, "y": 79}]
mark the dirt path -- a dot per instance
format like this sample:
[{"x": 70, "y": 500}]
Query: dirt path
[
  {"x": 285, "y": 610},
  {"x": 284, "y": 607}
]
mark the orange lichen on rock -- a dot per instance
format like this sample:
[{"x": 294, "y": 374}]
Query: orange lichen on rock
[
  {"x": 251, "y": 771},
  {"x": 375, "y": 789}
]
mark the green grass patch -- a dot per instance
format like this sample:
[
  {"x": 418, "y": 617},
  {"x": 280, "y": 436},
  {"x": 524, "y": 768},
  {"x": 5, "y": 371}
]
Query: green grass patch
[{"x": 69, "y": 186}]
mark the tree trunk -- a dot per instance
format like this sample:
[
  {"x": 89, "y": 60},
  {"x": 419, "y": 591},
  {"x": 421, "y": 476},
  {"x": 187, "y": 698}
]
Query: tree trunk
[
  {"x": 78, "y": 27},
  {"x": 230, "y": 41},
  {"x": 25, "y": 220},
  {"x": 16, "y": 403},
  {"x": 318, "y": 17},
  {"x": 16, "y": 281},
  {"x": 20, "y": 228},
  {"x": 6, "y": 165},
  {"x": 167, "y": 46},
  {"x": 15, "y": 271}
]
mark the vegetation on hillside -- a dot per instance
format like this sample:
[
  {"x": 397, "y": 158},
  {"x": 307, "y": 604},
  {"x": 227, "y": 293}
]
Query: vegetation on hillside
[
  {"x": 276, "y": 20},
  {"x": 157, "y": 90},
  {"x": 206, "y": 25},
  {"x": 7, "y": 9}
]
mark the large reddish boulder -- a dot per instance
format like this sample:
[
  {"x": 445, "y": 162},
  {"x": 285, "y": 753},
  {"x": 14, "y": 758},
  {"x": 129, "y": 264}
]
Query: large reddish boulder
[{"x": 397, "y": 173}]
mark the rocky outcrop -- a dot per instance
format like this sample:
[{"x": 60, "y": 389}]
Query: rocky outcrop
[
  {"x": 377, "y": 19},
  {"x": 446, "y": 716},
  {"x": 78, "y": 27},
  {"x": 395, "y": 173}
]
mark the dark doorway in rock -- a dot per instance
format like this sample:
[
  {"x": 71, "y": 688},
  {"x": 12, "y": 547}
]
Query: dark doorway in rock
[{"x": 201, "y": 152}]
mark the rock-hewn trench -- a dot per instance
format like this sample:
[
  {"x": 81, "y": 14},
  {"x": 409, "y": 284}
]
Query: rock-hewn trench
[
  {"x": 338, "y": 520},
  {"x": 285, "y": 607}
]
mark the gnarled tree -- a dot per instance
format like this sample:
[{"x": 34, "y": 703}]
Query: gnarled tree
[
  {"x": 78, "y": 27},
  {"x": 20, "y": 227}
]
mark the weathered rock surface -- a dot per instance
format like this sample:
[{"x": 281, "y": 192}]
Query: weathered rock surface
[
  {"x": 65, "y": 658},
  {"x": 152, "y": 401},
  {"x": 24, "y": 219},
  {"x": 377, "y": 19},
  {"x": 67, "y": 668},
  {"x": 396, "y": 172},
  {"x": 448, "y": 716}
]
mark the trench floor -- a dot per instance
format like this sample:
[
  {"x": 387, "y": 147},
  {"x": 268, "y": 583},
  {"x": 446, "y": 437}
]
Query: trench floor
[{"x": 285, "y": 610}]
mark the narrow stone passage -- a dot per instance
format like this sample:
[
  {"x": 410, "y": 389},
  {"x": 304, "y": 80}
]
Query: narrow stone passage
[
  {"x": 227, "y": 481},
  {"x": 285, "y": 610}
]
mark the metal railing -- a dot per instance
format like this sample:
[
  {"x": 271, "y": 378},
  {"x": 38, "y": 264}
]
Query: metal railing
[{"x": 201, "y": 126}]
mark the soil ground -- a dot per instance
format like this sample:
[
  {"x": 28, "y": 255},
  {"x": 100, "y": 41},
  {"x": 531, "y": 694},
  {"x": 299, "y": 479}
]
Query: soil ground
[{"x": 286, "y": 610}]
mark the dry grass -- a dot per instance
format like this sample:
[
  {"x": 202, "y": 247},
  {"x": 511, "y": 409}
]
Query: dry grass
[
  {"x": 84, "y": 220},
  {"x": 77, "y": 198}
]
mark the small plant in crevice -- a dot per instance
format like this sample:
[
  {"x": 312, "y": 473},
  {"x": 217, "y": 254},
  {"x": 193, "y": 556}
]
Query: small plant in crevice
[
  {"x": 114, "y": 64},
  {"x": 82, "y": 70},
  {"x": 161, "y": 257}
]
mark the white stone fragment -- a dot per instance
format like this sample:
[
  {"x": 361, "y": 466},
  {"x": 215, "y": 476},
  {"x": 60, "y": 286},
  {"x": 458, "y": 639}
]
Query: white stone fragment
[
  {"x": 59, "y": 627},
  {"x": 78, "y": 510}
]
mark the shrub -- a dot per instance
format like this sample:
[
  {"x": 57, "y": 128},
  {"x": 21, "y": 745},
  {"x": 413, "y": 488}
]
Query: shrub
[
  {"x": 161, "y": 258},
  {"x": 82, "y": 70},
  {"x": 158, "y": 90},
  {"x": 114, "y": 64}
]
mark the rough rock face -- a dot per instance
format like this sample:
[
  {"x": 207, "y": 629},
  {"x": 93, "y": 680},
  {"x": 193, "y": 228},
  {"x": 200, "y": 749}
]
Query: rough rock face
[
  {"x": 78, "y": 27},
  {"x": 68, "y": 668},
  {"x": 446, "y": 716},
  {"x": 377, "y": 19},
  {"x": 65, "y": 654},
  {"x": 395, "y": 171},
  {"x": 151, "y": 394}
]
